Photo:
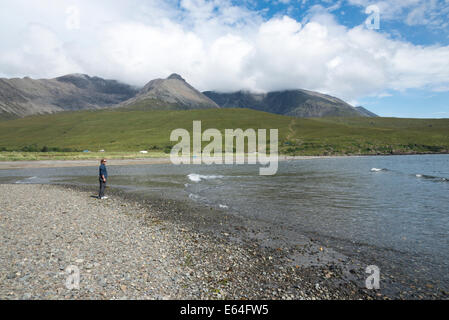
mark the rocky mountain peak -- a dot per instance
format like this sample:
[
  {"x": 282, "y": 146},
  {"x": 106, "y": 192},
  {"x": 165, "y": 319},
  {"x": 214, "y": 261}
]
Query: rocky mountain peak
[
  {"x": 176, "y": 77},
  {"x": 169, "y": 94}
]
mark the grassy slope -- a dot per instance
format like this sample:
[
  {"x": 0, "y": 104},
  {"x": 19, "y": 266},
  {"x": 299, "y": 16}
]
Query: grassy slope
[
  {"x": 369, "y": 136},
  {"x": 119, "y": 130}
]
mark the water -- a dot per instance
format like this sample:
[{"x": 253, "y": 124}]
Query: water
[{"x": 390, "y": 211}]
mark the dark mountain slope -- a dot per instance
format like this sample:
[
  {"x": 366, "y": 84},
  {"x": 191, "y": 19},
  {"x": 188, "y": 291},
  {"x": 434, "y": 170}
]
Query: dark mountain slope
[
  {"x": 26, "y": 96},
  {"x": 298, "y": 103},
  {"x": 366, "y": 112}
]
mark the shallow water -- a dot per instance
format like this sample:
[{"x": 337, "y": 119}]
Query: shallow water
[{"x": 389, "y": 211}]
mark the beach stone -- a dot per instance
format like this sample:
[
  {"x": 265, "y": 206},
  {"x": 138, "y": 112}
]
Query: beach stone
[{"x": 129, "y": 249}]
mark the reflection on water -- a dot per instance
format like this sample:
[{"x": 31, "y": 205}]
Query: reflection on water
[{"x": 392, "y": 209}]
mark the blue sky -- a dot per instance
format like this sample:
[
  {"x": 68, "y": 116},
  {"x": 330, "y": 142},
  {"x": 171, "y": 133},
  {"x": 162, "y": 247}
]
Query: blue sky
[
  {"x": 415, "y": 103},
  {"x": 400, "y": 69},
  {"x": 350, "y": 14}
]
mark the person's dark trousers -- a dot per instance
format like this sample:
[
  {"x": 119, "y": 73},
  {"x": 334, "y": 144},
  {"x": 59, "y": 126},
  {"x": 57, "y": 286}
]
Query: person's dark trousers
[{"x": 102, "y": 187}]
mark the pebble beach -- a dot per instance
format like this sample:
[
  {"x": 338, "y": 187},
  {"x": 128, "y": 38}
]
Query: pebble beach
[{"x": 129, "y": 249}]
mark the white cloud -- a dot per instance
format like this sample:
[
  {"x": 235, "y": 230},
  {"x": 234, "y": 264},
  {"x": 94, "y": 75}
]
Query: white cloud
[
  {"x": 36, "y": 52},
  {"x": 431, "y": 13},
  {"x": 218, "y": 46}
]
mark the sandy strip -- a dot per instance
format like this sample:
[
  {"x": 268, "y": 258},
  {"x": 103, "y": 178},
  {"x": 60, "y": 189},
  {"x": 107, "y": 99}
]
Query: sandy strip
[
  {"x": 77, "y": 163},
  {"x": 114, "y": 162}
]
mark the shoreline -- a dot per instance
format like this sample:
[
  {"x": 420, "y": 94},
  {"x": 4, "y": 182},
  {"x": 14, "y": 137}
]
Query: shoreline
[
  {"x": 23, "y": 164},
  {"x": 213, "y": 256}
]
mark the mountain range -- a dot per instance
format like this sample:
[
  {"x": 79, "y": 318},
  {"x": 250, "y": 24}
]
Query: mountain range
[
  {"x": 297, "y": 103},
  {"x": 26, "y": 96},
  {"x": 21, "y": 97}
]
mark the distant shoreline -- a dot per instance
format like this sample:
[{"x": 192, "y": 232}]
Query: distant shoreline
[{"x": 23, "y": 164}]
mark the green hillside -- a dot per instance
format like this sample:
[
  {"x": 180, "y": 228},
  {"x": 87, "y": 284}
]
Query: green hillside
[
  {"x": 131, "y": 131},
  {"x": 368, "y": 136}
]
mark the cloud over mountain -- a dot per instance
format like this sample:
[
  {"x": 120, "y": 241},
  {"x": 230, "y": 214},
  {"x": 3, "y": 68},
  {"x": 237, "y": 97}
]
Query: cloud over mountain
[{"x": 216, "y": 45}]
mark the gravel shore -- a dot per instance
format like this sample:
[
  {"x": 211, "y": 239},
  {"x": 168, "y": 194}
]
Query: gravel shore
[
  {"x": 21, "y": 164},
  {"x": 128, "y": 249}
]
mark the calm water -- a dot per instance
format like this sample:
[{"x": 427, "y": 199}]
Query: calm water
[{"x": 391, "y": 211}]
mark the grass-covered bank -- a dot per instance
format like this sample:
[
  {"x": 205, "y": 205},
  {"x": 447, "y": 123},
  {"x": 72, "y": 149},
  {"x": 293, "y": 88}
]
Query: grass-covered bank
[{"x": 122, "y": 134}]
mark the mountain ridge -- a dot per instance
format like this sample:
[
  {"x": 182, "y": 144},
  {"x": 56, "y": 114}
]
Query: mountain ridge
[
  {"x": 174, "y": 91},
  {"x": 21, "y": 97},
  {"x": 25, "y": 96},
  {"x": 298, "y": 102}
]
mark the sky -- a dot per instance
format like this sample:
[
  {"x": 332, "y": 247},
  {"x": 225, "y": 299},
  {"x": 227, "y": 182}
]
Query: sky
[{"x": 392, "y": 57}]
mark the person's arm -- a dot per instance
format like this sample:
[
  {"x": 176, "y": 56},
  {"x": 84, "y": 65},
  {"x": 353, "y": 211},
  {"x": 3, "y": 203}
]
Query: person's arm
[{"x": 102, "y": 176}]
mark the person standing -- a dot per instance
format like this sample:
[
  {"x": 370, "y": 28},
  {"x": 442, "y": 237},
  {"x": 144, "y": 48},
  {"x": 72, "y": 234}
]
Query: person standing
[{"x": 103, "y": 175}]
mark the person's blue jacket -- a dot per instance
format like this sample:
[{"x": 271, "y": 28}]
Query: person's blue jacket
[{"x": 103, "y": 171}]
